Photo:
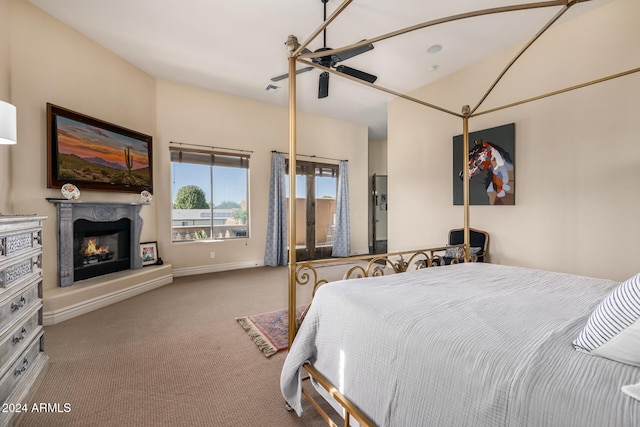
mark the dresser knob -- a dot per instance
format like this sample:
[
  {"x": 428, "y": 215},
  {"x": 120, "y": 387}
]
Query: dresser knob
[
  {"x": 20, "y": 371},
  {"x": 19, "y": 305},
  {"x": 18, "y": 338}
]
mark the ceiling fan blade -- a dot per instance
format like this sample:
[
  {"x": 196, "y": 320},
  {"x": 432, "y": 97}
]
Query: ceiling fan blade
[
  {"x": 323, "y": 85},
  {"x": 356, "y": 73},
  {"x": 284, "y": 76},
  {"x": 353, "y": 52},
  {"x": 280, "y": 77}
]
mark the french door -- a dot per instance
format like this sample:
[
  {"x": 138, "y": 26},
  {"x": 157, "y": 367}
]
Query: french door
[{"x": 316, "y": 188}]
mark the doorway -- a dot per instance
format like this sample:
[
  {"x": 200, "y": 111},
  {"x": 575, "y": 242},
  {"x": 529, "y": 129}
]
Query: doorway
[
  {"x": 379, "y": 206},
  {"x": 316, "y": 188}
]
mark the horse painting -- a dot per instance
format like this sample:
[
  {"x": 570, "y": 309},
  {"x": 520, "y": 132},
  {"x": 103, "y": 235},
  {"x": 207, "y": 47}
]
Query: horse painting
[{"x": 496, "y": 162}]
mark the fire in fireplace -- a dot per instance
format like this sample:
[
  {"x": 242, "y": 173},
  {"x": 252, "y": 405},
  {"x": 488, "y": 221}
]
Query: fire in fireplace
[
  {"x": 94, "y": 252},
  {"x": 100, "y": 247}
]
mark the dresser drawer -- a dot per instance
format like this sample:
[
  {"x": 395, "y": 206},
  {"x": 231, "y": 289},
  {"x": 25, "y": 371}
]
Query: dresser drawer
[
  {"x": 18, "y": 337},
  {"x": 20, "y": 368},
  {"x": 12, "y": 244},
  {"x": 17, "y": 269},
  {"x": 19, "y": 302}
]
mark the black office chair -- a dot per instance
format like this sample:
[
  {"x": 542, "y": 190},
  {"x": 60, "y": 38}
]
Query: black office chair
[{"x": 478, "y": 243}]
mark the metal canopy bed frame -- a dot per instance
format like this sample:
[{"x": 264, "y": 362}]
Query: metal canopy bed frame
[{"x": 305, "y": 273}]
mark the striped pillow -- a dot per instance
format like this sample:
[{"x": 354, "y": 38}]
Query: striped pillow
[
  {"x": 613, "y": 329},
  {"x": 453, "y": 252}
]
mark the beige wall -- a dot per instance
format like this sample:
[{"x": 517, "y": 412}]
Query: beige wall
[
  {"x": 378, "y": 157},
  {"x": 5, "y": 49},
  {"x": 577, "y": 154},
  {"x": 5, "y": 95},
  {"x": 49, "y": 62},
  {"x": 191, "y": 115},
  {"x": 52, "y": 63}
]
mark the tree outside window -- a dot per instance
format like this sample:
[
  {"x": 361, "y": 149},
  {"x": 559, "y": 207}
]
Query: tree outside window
[{"x": 209, "y": 195}]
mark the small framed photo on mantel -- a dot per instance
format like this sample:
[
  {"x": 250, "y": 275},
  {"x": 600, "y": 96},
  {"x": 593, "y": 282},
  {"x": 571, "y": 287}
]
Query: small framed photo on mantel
[{"x": 149, "y": 253}]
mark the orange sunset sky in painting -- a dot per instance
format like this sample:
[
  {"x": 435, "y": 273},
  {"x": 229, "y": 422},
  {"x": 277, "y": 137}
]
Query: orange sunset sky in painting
[{"x": 89, "y": 142}]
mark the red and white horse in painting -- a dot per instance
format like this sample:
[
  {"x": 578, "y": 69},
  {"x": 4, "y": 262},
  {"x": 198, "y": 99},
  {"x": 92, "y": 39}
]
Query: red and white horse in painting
[{"x": 489, "y": 157}]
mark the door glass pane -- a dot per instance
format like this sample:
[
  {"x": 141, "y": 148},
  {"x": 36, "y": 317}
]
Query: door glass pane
[
  {"x": 301, "y": 209},
  {"x": 325, "y": 188}
]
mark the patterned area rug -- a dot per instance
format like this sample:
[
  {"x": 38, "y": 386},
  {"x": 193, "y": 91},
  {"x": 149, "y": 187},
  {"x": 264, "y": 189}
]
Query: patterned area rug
[{"x": 270, "y": 331}]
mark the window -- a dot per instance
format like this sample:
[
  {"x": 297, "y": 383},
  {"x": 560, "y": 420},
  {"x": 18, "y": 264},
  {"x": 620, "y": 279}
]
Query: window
[{"x": 209, "y": 195}]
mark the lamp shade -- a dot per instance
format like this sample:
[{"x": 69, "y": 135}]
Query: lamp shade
[{"x": 8, "y": 123}]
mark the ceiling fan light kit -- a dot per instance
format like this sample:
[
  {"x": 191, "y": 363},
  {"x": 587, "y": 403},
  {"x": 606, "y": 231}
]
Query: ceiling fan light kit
[{"x": 323, "y": 85}]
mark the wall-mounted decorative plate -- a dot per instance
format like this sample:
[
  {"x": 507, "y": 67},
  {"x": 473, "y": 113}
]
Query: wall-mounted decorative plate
[
  {"x": 70, "y": 192},
  {"x": 145, "y": 197}
]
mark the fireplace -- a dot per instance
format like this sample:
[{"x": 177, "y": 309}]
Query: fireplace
[
  {"x": 96, "y": 239},
  {"x": 100, "y": 247}
]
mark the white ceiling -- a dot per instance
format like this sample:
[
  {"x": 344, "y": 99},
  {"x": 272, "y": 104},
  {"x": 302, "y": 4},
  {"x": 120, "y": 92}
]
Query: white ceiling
[{"x": 235, "y": 47}]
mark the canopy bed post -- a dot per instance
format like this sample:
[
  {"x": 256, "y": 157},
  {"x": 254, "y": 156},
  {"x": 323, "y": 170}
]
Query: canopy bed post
[
  {"x": 466, "y": 110},
  {"x": 292, "y": 45}
]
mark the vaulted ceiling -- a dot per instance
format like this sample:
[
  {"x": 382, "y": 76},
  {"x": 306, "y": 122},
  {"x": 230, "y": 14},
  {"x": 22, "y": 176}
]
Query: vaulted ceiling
[{"x": 236, "y": 47}]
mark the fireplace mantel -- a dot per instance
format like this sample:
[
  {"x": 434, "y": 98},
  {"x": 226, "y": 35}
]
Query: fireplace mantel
[{"x": 72, "y": 210}]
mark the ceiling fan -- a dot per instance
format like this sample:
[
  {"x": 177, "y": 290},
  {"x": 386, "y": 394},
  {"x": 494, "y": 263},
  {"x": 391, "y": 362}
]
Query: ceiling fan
[{"x": 331, "y": 61}]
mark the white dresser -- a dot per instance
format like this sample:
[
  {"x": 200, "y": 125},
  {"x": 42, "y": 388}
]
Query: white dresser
[{"x": 22, "y": 360}]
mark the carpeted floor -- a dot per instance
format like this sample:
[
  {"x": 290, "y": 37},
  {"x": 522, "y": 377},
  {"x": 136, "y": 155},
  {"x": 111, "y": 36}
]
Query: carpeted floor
[{"x": 174, "y": 356}]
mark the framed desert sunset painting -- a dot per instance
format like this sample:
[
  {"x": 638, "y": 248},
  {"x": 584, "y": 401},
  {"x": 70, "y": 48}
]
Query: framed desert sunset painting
[{"x": 96, "y": 155}]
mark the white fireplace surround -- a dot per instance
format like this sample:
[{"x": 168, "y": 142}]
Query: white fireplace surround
[{"x": 71, "y": 210}]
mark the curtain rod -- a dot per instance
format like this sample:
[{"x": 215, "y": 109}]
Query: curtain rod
[
  {"x": 313, "y": 156},
  {"x": 212, "y": 147}
]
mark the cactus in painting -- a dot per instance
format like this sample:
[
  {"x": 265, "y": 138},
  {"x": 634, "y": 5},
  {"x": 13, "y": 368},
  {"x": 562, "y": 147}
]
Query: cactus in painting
[{"x": 128, "y": 160}]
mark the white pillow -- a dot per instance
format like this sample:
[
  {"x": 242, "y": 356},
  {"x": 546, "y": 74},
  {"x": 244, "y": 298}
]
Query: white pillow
[{"x": 613, "y": 329}]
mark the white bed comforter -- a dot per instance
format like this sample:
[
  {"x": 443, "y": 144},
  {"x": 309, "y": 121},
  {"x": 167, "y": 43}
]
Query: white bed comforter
[{"x": 463, "y": 345}]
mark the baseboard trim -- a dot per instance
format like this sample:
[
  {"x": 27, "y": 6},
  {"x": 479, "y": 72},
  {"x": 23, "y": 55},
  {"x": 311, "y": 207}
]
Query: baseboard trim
[
  {"x": 75, "y": 310},
  {"x": 203, "y": 269},
  {"x": 360, "y": 252}
]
